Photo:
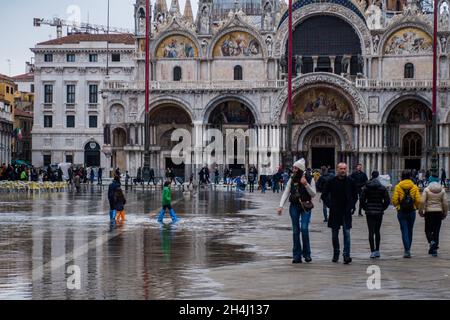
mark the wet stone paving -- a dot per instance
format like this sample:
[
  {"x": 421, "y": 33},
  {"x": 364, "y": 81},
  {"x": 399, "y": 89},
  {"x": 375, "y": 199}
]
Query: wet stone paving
[{"x": 228, "y": 245}]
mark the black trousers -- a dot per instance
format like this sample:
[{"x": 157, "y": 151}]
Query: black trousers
[
  {"x": 433, "y": 222},
  {"x": 374, "y": 225}
]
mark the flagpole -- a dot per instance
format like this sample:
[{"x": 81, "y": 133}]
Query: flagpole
[
  {"x": 289, "y": 110},
  {"x": 147, "y": 82},
  {"x": 434, "y": 155}
]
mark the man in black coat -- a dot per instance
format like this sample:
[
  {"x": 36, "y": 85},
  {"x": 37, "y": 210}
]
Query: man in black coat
[
  {"x": 111, "y": 192},
  {"x": 374, "y": 200},
  {"x": 341, "y": 195},
  {"x": 360, "y": 178}
]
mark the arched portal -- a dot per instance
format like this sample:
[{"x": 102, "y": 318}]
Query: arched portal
[
  {"x": 233, "y": 115},
  {"x": 408, "y": 132},
  {"x": 92, "y": 154},
  {"x": 119, "y": 142},
  {"x": 164, "y": 120}
]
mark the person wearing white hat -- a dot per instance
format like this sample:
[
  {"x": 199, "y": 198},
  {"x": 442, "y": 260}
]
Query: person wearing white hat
[{"x": 300, "y": 193}]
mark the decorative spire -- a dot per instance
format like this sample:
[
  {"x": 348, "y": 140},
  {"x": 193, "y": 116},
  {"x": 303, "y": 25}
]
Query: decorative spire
[
  {"x": 161, "y": 6},
  {"x": 188, "y": 12},
  {"x": 175, "y": 7}
]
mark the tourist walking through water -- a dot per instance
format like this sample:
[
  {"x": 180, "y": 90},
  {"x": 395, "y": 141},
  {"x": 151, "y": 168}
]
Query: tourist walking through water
[
  {"x": 406, "y": 199},
  {"x": 341, "y": 195},
  {"x": 434, "y": 208},
  {"x": 374, "y": 200},
  {"x": 119, "y": 205},
  {"x": 300, "y": 194},
  {"x": 111, "y": 193},
  {"x": 167, "y": 204}
]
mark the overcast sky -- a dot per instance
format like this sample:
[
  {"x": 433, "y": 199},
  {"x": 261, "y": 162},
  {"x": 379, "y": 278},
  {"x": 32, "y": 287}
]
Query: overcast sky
[{"x": 17, "y": 34}]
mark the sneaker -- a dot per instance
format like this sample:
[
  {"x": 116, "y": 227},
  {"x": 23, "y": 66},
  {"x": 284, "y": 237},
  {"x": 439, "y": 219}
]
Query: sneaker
[
  {"x": 407, "y": 255},
  {"x": 377, "y": 254},
  {"x": 308, "y": 259},
  {"x": 434, "y": 254},
  {"x": 373, "y": 255},
  {"x": 347, "y": 260},
  {"x": 325, "y": 221},
  {"x": 335, "y": 258},
  {"x": 295, "y": 261}
]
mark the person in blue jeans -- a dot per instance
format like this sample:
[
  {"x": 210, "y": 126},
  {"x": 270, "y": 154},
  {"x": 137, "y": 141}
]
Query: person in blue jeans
[
  {"x": 299, "y": 192},
  {"x": 406, "y": 199}
]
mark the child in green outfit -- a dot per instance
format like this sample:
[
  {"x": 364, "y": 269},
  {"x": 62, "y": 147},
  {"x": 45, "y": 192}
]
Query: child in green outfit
[{"x": 167, "y": 204}]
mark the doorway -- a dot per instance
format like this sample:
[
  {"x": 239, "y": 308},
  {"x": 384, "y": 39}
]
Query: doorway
[
  {"x": 323, "y": 157},
  {"x": 411, "y": 164},
  {"x": 178, "y": 170}
]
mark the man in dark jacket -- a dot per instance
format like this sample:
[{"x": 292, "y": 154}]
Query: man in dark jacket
[
  {"x": 374, "y": 200},
  {"x": 341, "y": 196},
  {"x": 360, "y": 179},
  {"x": 111, "y": 192},
  {"x": 320, "y": 186}
]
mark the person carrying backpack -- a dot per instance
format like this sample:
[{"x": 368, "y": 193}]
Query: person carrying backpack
[{"x": 406, "y": 199}]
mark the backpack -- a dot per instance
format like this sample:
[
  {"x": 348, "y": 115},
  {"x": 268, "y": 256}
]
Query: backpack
[{"x": 407, "y": 203}]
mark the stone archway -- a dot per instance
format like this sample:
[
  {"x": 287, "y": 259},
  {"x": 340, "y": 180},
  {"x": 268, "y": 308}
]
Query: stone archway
[
  {"x": 163, "y": 120},
  {"x": 406, "y": 118},
  {"x": 119, "y": 141},
  {"x": 233, "y": 114}
]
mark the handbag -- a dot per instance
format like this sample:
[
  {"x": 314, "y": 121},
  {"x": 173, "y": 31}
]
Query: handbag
[{"x": 307, "y": 205}]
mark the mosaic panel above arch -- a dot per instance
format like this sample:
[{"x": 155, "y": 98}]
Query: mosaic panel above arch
[
  {"x": 320, "y": 102},
  {"x": 177, "y": 47},
  {"x": 237, "y": 44},
  {"x": 409, "y": 41}
]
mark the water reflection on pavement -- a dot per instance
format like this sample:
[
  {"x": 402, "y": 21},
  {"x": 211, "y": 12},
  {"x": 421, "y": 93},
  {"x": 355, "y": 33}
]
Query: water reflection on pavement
[{"x": 42, "y": 235}]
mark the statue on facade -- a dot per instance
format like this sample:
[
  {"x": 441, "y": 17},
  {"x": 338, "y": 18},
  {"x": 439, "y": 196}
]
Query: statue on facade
[
  {"x": 142, "y": 22},
  {"x": 298, "y": 62},
  {"x": 269, "y": 44},
  {"x": 443, "y": 41},
  {"x": 283, "y": 63},
  {"x": 360, "y": 63},
  {"x": 376, "y": 42},
  {"x": 204, "y": 20},
  {"x": 346, "y": 64},
  {"x": 373, "y": 17},
  {"x": 267, "y": 16},
  {"x": 444, "y": 15},
  {"x": 204, "y": 45}
]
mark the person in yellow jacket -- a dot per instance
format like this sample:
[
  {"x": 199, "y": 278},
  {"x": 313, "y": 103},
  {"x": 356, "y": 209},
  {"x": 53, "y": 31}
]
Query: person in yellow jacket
[{"x": 406, "y": 199}]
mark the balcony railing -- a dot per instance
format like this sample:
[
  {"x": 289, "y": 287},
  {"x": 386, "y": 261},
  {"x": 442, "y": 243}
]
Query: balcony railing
[
  {"x": 373, "y": 84},
  {"x": 196, "y": 85}
]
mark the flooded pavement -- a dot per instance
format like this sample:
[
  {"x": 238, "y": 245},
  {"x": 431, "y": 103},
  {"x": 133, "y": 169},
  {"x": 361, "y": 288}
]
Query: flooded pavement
[
  {"x": 43, "y": 236},
  {"x": 227, "y": 246}
]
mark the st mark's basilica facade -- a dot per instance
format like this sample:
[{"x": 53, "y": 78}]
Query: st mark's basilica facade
[{"x": 362, "y": 85}]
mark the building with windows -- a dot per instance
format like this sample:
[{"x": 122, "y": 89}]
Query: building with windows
[
  {"x": 7, "y": 90},
  {"x": 361, "y": 89},
  {"x": 69, "y": 75}
]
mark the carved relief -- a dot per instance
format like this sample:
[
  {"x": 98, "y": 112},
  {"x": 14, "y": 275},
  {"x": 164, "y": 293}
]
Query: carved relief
[
  {"x": 117, "y": 114},
  {"x": 374, "y": 104}
]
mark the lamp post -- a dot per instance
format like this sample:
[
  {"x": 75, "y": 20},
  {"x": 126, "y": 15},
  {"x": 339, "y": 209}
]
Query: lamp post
[{"x": 434, "y": 155}]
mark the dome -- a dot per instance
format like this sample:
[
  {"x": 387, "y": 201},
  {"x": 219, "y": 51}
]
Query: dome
[{"x": 221, "y": 8}]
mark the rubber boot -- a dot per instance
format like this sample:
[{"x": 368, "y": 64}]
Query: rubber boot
[
  {"x": 112, "y": 214},
  {"x": 173, "y": 216},
  {"x": 161, "y": 216}
]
